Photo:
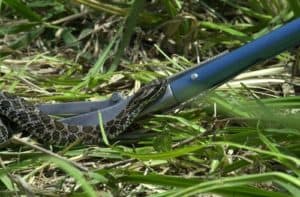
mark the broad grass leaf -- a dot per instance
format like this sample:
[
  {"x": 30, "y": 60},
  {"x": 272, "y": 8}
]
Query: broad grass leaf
[{"x": 23, "y": 10}]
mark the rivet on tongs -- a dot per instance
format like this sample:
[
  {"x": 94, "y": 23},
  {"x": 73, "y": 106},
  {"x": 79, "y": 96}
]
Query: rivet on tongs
[{"x": 194, "y": 76}]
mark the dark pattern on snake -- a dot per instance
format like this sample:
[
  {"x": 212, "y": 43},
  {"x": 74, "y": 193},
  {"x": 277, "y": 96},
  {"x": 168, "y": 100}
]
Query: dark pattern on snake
[{"x": 16, "y": 114}]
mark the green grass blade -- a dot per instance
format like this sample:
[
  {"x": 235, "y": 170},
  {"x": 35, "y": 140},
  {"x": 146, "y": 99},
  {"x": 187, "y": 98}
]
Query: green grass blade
[
  {"x": 98, "y": 67},
  {"x": 163, "y": 180},
  {"x": 128, "y": 29},
  {"x": 293, "y": 160},
  {"x": 237, "y": 181},
  {"x": 100, "y": 6},
  {"x": 167, "y": 154},
  {"x": 75, "y": 173},
  {"x": 23, "y": 10},
  {"x": 26, "y": 39},
  {"x": 267, "y": 142},
  {"x": 15, "y": 28},
  {"x": 178, "y": 66},
  {"x": 7, "y": 182},
  {"x": 295, "y": 6},
  {"x": 173, "y": 7},
  {"x": 179, "y": 182},
  {"x": 226, "y": 29},
  {"x": 102, "y": 131}
]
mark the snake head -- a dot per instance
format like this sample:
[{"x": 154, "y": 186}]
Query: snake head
[
  {"x": 148, "y": 94},
  {"x": 144, "y": 97}
]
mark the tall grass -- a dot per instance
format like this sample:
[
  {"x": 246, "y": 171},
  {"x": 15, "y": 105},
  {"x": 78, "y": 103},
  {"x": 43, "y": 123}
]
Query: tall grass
[{"x": 242, "y": 139}]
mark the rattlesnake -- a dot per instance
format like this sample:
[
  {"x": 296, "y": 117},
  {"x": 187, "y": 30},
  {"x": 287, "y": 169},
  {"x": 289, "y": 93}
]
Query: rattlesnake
[{"x": 18, "y": 115}]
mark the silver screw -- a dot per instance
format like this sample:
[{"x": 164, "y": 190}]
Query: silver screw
[{"x": 194, "y": 76}]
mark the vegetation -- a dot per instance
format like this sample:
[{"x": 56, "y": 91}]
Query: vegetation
[{"x": 241, "y": 139}]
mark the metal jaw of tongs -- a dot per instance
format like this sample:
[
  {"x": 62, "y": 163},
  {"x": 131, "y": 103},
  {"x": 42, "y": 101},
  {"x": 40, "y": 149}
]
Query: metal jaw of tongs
[
  {"x": 87, "y": 112},
  {"x": 189, "y": 83}
]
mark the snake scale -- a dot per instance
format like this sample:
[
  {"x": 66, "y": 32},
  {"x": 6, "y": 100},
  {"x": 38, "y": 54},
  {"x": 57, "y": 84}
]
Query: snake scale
[{"x": 18, "y": 115}]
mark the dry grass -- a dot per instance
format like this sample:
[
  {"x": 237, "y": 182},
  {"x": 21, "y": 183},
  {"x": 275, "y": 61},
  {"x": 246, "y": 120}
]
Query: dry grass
[{"x": 225, "y": 143}]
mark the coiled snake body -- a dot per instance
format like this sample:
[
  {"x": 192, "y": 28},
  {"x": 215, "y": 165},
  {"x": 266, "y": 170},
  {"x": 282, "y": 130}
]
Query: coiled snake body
[{"x": 18, "y": 115}]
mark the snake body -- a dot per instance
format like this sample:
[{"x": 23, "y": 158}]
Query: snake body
[{"x": 18, "y": 115}]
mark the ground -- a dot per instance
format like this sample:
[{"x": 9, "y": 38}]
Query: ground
[{"x": 241, "y": 139}]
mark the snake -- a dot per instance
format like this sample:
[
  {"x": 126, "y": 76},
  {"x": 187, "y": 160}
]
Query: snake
[{"x": 20, "y": 116}]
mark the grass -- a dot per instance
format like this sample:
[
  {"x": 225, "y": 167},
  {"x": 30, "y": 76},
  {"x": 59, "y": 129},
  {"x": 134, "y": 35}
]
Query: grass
[{"x": 241, "y": 139}]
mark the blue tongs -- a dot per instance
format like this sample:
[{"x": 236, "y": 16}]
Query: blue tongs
[{"x": 187, "y": 84}]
